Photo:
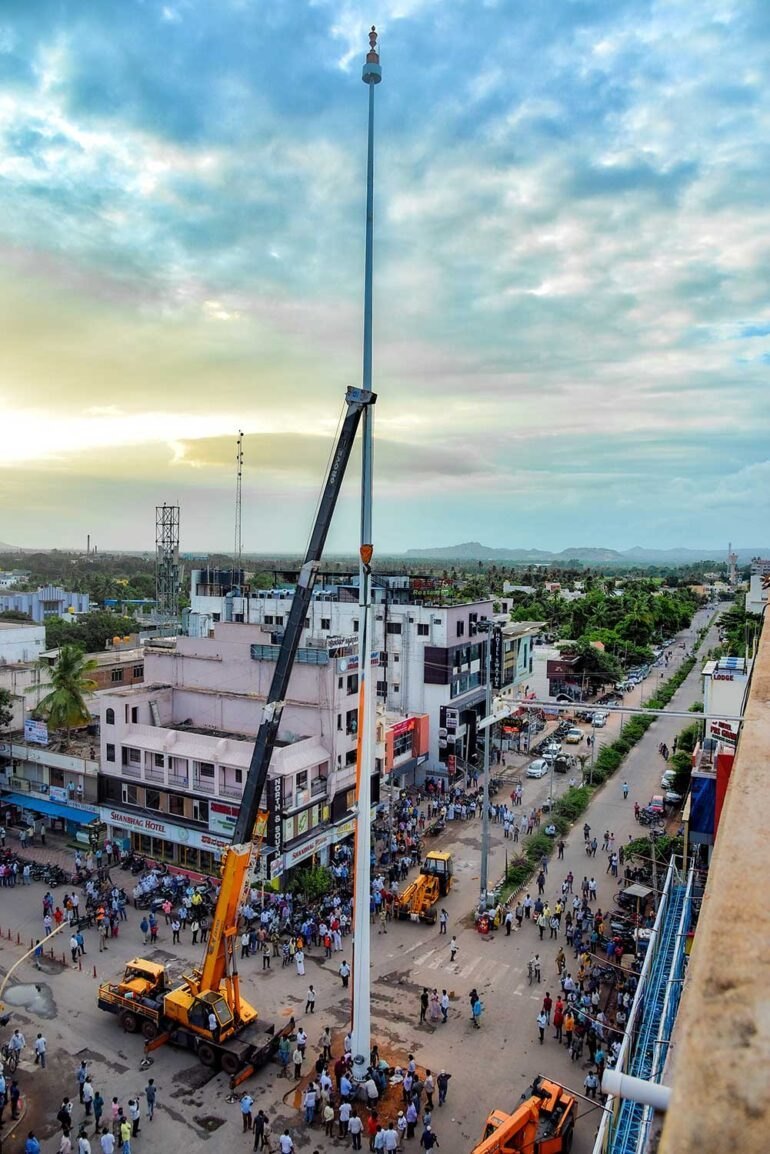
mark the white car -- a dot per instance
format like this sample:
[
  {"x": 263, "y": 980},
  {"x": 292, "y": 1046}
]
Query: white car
[
  {"x": 538, "y": 768},
  {"x": 668, "y": 779},
  {"x": 599, "y": 720},
  {"x": 574, "y": 736},
  {"x": 551, "y": 746}
]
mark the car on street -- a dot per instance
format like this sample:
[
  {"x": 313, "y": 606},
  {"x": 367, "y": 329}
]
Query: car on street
[
  {"x": 672, "y": 797},
  {"x": 538, "y": 768},
  {"x": 599, "y": 720},
  {"x": 668, "y": 779},
  {"x": 551, "y": 745},
  {"x": 574, "y": 736},
  {"x": 656, "y": 804}
]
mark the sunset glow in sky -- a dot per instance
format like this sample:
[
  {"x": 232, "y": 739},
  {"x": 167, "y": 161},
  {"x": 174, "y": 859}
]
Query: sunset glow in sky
[{"x": 572, "y": 275}]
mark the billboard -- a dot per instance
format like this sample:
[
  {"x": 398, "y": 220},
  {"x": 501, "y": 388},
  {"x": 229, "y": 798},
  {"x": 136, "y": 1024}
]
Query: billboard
[{"x": 35, "y": 732}]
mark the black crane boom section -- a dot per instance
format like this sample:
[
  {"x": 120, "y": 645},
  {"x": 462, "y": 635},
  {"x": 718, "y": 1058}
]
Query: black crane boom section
[{"x": 357, "y": 400}]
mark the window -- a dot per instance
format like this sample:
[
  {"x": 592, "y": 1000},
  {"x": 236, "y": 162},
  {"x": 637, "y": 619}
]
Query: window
[
  {"x": 176, "y": 805},
  {"x": 109, "y": 717},
  {"x": 326, "y": 622},
  {"x": 204, "y": 768},
  {"x": 395, "y": 658},
  {"x": 355, "y": 625},
  {"x": 131, "y": 756},
  {"x": 382, "y": 688},
  {"x": 200, "y": 811},
  {"x": 268, "y": 620},
  {"x": 130, "y": 795},
  {"x": 116, "y": 675},
  {"x": 109, "y": 751},
  {"x": 353, "y": 683},
  {"x": 138, "y": 671},
  {"x": 215, "y": 617},
  {"x": 238, "y": 776},
  {"x": 159, "y": 760},
  {"x": 402, "y": 744},
  {"x": 393, "y": 627},
  {"x": 340, "y": 682},
  {"x": 152, "y": 798},
  {"x": 134, "y": 714},
  {"x": 279, "y": 619},
  {"x": 423, "y": 630},
  {"x": 460, "y": 628},
  {"x": 395, "y": 687},
  {"x": 351, "y": 721},
  {"x": 339, "y": 721},
  {"x": 350, "y": 757}
]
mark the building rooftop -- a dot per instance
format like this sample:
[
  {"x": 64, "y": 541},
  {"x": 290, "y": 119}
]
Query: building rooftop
[{"x": 20, "y": 625}]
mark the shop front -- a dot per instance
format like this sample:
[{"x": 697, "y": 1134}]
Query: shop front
[
  {"x": 56, "y": 812},
  {"x": 164, "y": 842}
]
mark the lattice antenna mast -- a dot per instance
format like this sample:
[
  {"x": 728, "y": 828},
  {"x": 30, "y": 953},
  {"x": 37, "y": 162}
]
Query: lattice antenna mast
[
  {"x": 167, "y": 570},
  {"x": 238, "y": 551}
]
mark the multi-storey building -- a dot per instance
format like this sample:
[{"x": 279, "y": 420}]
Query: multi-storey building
[
  {"x": 175, "y": 751},
  {"x": 432, "y": 654},
  {"x": 48, "y": 601}
]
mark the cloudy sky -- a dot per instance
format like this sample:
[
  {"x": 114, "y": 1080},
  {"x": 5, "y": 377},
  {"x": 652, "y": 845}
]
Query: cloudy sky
[{"x": 572, "y": 297}]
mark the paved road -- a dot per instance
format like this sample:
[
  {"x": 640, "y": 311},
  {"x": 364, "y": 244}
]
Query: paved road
[{"x": 490, "y": 1067}]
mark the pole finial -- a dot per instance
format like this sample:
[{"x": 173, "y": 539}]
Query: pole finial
[{"x": 372, "y": 72}]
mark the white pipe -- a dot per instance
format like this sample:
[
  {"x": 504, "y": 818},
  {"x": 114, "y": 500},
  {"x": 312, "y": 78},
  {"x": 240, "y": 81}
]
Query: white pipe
[{"x": 636, "y": 1089}]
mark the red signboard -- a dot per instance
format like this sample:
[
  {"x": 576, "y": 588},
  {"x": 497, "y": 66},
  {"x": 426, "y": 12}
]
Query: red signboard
[{"x": 403, "y": 727}]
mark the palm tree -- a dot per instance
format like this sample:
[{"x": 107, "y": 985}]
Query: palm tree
[{"x": 64, "y": 707}]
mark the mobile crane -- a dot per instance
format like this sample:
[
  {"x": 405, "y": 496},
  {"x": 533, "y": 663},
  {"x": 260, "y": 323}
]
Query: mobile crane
[
  {"x": 205, "y": 1010},
  {"x": 543, "y": 1123}
]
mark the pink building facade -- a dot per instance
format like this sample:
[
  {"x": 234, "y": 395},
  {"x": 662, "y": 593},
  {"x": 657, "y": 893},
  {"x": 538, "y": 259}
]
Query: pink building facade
[{"x": 175, "y": 750}]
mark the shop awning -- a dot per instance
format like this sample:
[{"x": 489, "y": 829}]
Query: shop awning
[{"x": 50, "y": 808}]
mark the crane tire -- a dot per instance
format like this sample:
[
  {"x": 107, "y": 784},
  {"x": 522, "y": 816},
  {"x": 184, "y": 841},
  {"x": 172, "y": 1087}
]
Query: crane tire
[
  {"x": 230, "y": 1063},
  {"x": 150, "y": 1029},
  {"x": 207, "y": 1055},
  {"x": 566, "y": 1144},
  {"x": 129, "y": 1021}
]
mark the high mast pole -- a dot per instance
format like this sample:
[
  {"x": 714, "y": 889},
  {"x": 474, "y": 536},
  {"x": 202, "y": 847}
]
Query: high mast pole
[{"x": 361, "y": 1009}]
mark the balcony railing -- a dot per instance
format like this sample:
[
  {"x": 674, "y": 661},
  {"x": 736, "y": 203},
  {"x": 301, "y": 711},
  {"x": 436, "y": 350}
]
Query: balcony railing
[
  {"x": 175, "y": 778},
  {"x": 318, "y": 787},
  {"x": 131, "y": 771},
  {"x": 204, "y": 784},
  {"x": 231, "y": 791},
  {"x": 153, "y": 773}
]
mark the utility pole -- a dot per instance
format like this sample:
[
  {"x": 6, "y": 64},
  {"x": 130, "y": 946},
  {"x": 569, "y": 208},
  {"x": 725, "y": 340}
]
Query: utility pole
[{"x": 360, "y": 1000}]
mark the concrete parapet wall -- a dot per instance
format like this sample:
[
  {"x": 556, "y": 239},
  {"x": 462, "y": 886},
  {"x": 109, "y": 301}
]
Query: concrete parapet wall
[{"x": 721, "y": 1061}]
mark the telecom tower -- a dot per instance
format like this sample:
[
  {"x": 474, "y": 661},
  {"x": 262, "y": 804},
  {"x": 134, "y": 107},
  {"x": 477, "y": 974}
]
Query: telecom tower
[
  {"x": 167, "y": 569},
  {"x": 732, "y": 561},
  {"x": 238, "y": 551}
]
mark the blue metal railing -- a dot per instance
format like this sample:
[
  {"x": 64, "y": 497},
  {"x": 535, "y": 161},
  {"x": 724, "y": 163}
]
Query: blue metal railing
[{"x": 654, "y": 1028}]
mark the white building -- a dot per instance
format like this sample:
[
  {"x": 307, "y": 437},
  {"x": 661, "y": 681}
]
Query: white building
[
  {"x": 725, "y": 689},
  {"x": 756, "y": 598},
  {"x": 432, "y": 655}
]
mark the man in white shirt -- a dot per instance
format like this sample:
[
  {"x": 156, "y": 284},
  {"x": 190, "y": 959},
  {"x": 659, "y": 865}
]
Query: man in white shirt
[
  {"x": 344, "y": 1118},
  {"x": 285, "y": 1143},
  {"x": 40, "y": 1051},
  {"x": 107, "y": 1142},
  {"x": 17, "y": 1041}
]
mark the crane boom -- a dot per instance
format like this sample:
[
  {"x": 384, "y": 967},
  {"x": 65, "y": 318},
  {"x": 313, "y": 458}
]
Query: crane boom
[{"x": 357, "y": 401}]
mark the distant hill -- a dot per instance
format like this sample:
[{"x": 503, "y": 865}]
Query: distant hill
[{"x": 592, "y": 555}]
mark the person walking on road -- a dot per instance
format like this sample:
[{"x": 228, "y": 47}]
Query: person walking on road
[
  {"x": 310, "y": 1000},
  {"x": 542, "y": 1022},
  {"x": 40, "y": 1048},
  {"x": 424, "y": 1001},
  {"x": 453, "y": 948},
  {"x": 344, "y": 973},
  {"x": 625, "y": 790},
  {"x": 151, "y": 1094},
  {"x": 443, "y": 918}
]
